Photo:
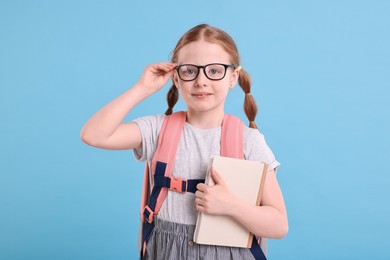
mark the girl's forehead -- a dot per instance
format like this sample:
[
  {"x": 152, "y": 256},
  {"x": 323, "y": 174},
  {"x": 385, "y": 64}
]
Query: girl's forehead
[{"x": 203, "y": 52}]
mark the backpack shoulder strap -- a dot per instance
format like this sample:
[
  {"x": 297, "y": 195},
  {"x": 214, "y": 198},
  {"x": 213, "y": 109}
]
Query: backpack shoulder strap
[
  {"x": 162, "y": 165},
  {"x": 168, "y": 140},
  {"x": 165, "y": 155},
  {"x": 232, "y": 145},
  {"x": 232, "y": 137}
]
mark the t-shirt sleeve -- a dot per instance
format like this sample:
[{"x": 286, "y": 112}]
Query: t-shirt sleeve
[
  {"x": 256, "y": 149},
  {"x": 149, "y": 127}
]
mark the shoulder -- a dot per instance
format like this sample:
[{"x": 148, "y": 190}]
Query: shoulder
[
  {"x": 149, "y": 127},
  {"x": 252, "y": 134},
  {"x": 257, "y": 149}
]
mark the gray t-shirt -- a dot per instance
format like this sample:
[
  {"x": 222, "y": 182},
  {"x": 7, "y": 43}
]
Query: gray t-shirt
[{"x": 196, "y": 146}]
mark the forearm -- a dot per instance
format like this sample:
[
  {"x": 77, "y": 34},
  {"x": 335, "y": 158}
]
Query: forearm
[
  {"x": 104, "y": 122},
  {"x": 263, "y": 221},
  {"x": 269, "y": 220}
]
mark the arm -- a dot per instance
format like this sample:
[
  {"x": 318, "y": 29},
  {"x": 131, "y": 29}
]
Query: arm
[
  {"x": 105, "y": 129},
  {"x": 268, "y": 220}
]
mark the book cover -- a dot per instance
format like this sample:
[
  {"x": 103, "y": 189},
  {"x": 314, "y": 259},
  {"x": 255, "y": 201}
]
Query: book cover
[{"x": 243, "y": 178}]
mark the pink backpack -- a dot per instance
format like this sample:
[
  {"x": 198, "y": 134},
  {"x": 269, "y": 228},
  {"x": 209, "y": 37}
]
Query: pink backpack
[{"x": 232, "y": 145}]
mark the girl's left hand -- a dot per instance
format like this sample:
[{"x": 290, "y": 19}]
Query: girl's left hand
[{"x": 216, "y": 199}]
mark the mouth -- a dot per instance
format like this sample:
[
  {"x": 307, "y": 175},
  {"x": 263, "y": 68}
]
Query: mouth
[{"x": 201, "y": 94}]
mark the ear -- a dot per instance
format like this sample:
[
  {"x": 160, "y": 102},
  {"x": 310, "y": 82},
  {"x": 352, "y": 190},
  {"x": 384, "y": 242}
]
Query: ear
[
  {"x": 175, "y": 80},
  {"x": 234, "y": 78}
]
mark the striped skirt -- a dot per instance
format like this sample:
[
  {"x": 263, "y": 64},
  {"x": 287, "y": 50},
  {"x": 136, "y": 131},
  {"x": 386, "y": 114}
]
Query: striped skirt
[{"x": 173, "y": 241}]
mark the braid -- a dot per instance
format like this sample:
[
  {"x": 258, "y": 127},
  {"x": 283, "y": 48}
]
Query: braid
[
  {"x": 250, "y": 106},
  {"x": 172, "y": 97}
]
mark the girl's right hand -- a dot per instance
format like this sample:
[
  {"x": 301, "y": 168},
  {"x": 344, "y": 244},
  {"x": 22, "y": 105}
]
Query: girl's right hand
[
  {"x": 106, "y": 130},
  {"x": 155, "y": 76}
]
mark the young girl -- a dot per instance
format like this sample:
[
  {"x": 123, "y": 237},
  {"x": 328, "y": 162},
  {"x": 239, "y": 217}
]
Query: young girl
[{"x": 205, "y": 65}]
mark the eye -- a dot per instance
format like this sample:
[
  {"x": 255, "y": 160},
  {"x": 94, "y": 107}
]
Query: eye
[
  {"x": 215, "y": 70},
  {"x": 188, "y": 70}
]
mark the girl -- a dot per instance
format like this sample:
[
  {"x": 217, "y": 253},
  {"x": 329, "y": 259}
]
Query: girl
[{"x": 205, "y": 65}]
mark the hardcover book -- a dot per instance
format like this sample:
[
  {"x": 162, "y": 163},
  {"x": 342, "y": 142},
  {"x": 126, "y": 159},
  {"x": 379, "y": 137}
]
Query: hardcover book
[{"x": 243, "y": 178}]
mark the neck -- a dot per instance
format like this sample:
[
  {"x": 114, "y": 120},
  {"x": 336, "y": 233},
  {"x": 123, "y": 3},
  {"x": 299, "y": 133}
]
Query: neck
[{"x": 205, "y": 119}]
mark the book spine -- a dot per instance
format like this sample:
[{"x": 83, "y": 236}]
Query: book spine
[{"x": 260, "y": 194}]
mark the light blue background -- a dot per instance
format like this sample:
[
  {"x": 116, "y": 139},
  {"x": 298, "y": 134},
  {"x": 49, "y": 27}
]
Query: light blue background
[{"x": 321, "y": 77}]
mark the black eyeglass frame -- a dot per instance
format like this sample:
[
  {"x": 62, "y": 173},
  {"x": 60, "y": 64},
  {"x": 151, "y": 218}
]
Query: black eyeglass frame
[{"x": 226, "y": 66}]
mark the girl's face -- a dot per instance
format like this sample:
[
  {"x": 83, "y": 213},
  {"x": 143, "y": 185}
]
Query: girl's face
[{"x": 203, "y": 94}]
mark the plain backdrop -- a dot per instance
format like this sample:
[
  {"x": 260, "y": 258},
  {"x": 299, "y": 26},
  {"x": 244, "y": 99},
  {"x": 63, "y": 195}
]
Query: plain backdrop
[{"x": 321, "y": 77}]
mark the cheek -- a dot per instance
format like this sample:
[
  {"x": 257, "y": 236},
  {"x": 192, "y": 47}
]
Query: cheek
[
  {"x": 226, "y": 84},
  {"x": 233, "y": 80},
  {"x": 185, "y": 86},
  {"x": 222, "y": 90},
  {"x": 184, "y": 90}
]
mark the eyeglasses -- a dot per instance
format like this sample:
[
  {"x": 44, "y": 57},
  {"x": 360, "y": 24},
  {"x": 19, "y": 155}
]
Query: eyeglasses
[{"x": 213, "y": 71}]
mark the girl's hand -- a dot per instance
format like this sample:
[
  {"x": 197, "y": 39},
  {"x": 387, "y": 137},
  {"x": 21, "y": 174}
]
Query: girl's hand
[
  {"x": 155, "y": 76},
  {"x": 216, "y": 199}
]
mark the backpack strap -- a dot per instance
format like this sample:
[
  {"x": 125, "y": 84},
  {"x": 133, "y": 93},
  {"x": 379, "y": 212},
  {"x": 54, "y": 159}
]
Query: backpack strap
[
  {"x": 162, "y": 165},
  {"x": 232, "y": 138},
  {"x": 232, "y": 145},
  {"x": 165, "y": 155}
]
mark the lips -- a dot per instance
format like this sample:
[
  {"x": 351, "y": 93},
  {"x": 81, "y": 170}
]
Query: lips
[{"x": 201, "y": 94}]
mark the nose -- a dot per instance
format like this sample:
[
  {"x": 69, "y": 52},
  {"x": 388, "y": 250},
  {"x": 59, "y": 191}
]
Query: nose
[{"x": 201, "y": 79}]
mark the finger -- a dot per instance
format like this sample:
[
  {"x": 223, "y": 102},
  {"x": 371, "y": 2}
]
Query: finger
[
  {"x": 201, "y": 186},
  {"x": 199, "y": 201},
  {"x": 167, "y": 75},
  {"x": 160, "y": 68},
  {"x": 199, "y": 194},
  {"x": 200, "y": 208},
  {"x": 216, "y": 177},
  {"x": 167, "y": 66},
  {"x": 172, "y": 65}
]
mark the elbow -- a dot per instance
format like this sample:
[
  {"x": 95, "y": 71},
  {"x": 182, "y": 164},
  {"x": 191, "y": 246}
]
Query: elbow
[
  {"x": 279, "y": 231},
  {"x": 86, "y": 137},
  {"x": 282, "y": 226},
  {"x": 283, "y": 231},
  {"x": 93, "y": 138}
]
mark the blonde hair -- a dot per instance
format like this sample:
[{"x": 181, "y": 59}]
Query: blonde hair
[{"x": 217, "y": 36}]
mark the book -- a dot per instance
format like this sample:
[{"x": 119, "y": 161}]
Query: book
[{"x": 243, "y": 178}]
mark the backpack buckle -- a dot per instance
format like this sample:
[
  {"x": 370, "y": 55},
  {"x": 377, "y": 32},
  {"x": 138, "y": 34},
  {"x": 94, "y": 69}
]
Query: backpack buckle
[
  {"x": 148, "y": 213},
  {"x": 178, "y": 184}
]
